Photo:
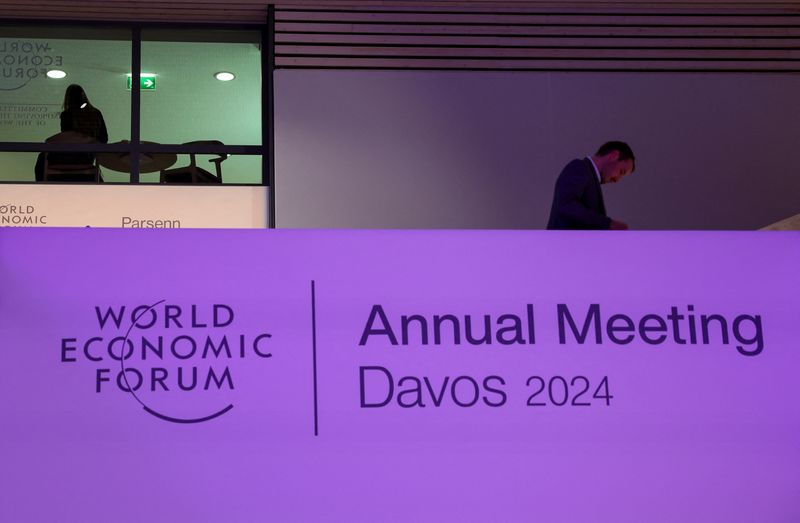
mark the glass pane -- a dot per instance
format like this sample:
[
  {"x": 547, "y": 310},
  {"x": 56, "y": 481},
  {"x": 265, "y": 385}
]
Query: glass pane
[
  {"x": 182, "y": 101},
  {"x": 31, "y": 102},
  {"x": 17, "y": 167},
  {"x": 58, "y": 167},
  {"x": 235, "y": 169}
]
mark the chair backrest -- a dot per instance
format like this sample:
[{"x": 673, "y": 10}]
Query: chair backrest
[
  {"x": 192, "y": 173},
  {"x": 70, "y": 167},
  {"x": 70, "y": 137}
]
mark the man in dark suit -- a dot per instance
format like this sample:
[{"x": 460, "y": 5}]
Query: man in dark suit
[{"x": 578, "y": 198}]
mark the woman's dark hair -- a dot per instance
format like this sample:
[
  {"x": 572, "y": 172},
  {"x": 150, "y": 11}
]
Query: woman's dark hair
[{"x": 75, "y": 97}]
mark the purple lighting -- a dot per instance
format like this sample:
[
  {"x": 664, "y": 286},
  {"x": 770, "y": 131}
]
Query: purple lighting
[{"x": 244, "y": 375}]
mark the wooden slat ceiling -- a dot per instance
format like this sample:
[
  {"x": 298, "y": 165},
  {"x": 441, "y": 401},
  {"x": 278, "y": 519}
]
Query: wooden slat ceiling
[
  {"x": 589, "y": 35},
  {"x": 628, "y": 40},
  {"x": 254, "y": 11}
]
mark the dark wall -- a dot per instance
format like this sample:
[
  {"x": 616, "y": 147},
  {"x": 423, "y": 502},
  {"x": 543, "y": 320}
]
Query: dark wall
[{"x": 482, "y": 150}]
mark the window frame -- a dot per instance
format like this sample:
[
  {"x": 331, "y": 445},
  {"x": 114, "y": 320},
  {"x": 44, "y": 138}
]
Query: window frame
[{"x": 134, "y": 147}]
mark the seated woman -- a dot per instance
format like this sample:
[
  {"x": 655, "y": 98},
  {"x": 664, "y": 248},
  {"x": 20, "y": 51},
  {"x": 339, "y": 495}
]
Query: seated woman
[{"x": 79, "y": 116}]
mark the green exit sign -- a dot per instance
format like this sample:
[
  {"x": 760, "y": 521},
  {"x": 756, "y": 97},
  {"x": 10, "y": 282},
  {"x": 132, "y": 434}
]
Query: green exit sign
[{"x": 146, "y": 82}]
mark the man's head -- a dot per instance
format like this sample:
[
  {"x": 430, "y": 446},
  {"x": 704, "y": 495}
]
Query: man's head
[{"x": 614, "y": 160}]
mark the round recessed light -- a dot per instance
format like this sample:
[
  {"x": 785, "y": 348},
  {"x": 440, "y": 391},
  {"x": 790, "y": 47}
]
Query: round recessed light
[
  {"x": 224, "y": 76},
  {"x": 56, "y": 73}
]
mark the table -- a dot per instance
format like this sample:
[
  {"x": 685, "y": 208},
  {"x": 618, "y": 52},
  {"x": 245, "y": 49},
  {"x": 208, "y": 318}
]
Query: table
[{"x": 148, "y": 162}]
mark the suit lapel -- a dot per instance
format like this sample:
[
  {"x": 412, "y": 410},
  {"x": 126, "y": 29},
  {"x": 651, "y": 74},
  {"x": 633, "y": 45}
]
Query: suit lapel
[{"x": 596, "y": 184}]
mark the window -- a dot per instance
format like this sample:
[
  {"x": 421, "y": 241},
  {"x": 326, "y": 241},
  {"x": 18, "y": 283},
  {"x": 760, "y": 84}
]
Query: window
[{"x": 172, "y": 120}]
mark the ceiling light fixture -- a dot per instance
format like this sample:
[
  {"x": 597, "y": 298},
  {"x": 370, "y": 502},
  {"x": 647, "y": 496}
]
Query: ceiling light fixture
[
  {"x": 56, "y": 73},
  {"x": 224, "y": 76}
]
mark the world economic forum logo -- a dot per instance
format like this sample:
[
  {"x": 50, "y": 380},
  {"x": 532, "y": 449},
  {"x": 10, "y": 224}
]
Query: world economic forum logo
[
  {"x": 24, "y": 60},
  {"x": 181, "y": 362}
]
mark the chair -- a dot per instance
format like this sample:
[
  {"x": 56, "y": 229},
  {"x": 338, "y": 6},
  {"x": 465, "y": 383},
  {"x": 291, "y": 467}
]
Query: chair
[
  {"x": 71, "y": 167},
  {"x": 192, "y": 173}
]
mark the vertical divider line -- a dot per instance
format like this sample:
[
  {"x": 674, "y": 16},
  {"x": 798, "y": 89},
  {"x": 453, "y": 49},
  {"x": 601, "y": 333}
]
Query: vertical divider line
[
  {"x": 314, "y": 351},
  {"x": 136, "y": 101},
  {"x": 268, "y": 111}
]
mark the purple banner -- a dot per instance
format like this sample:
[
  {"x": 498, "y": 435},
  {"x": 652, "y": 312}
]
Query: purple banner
[{"x": 210, "y": 375}]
